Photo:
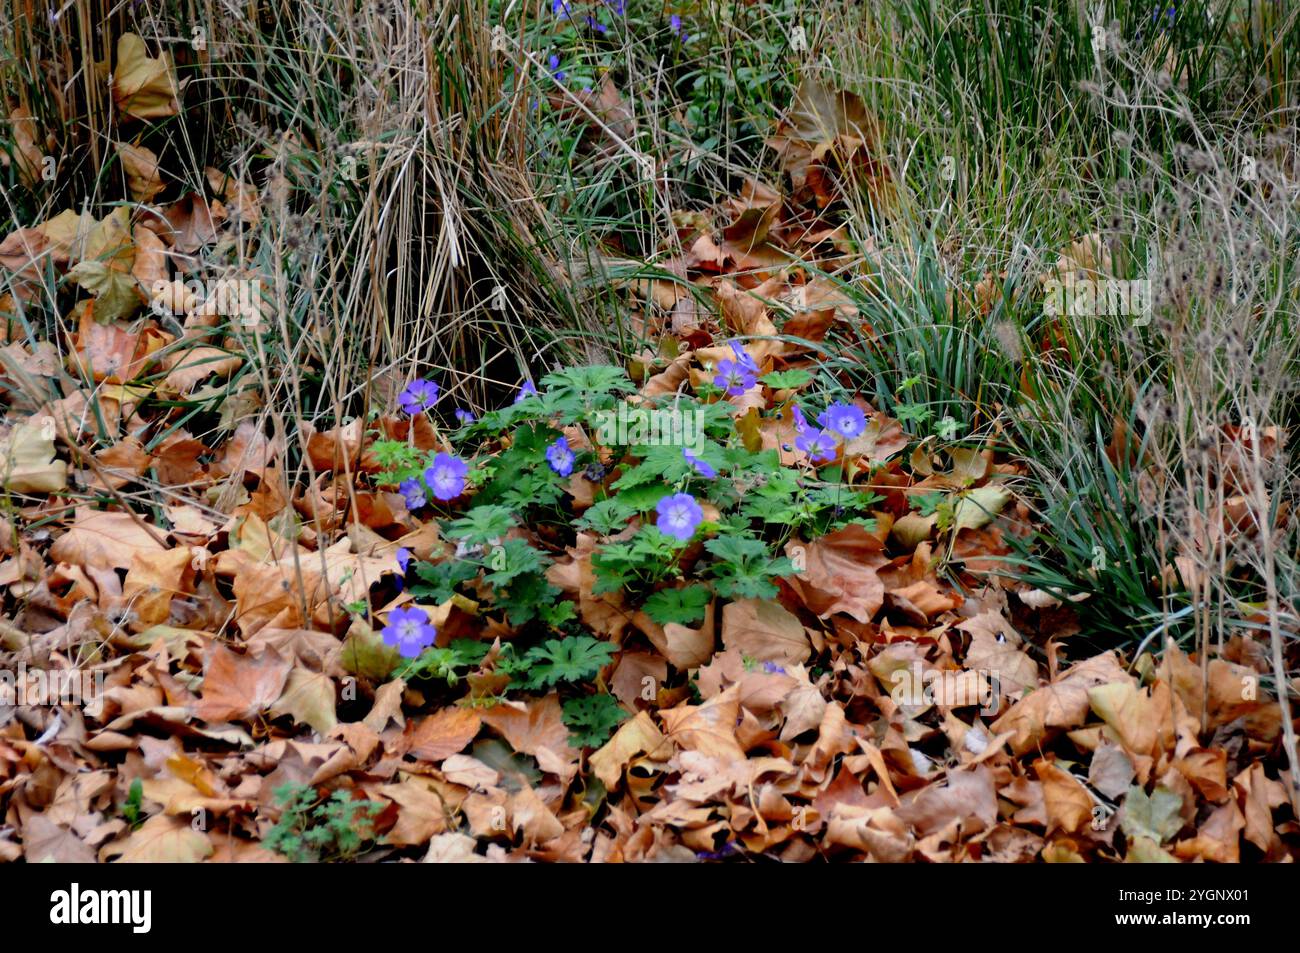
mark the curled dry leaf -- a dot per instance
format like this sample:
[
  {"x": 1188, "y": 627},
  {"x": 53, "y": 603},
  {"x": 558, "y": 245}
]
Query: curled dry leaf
[{"x": 141, "y": 167}]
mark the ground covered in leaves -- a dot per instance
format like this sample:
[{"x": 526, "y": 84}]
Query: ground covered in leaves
[{"x": 530, "y": 636}]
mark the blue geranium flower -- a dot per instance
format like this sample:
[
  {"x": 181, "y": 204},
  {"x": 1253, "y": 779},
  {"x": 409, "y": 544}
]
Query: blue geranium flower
[
  {"x": 409, "y": 631},
  {"x": 679, "y": 516},
  {"x": 419, "y": 395},
  {"x": 446, "y": 477},
  {"x": 560, "y": 457}
]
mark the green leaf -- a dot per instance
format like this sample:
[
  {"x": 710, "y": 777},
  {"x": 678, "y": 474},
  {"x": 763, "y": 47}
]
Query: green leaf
[
  {"x": 574, "y": 658},
  {"x": 786, "y": 380},
  {"x": 512, "y": 558},
  {"x": 592, "y": 719},
  {"x": 482, "y": 524},
  {"x": 587, "y": 381},
  {"x": 683, "y": 606},
  {"x": 607, "y": 516},
  {"x": 438, "y": 581}
]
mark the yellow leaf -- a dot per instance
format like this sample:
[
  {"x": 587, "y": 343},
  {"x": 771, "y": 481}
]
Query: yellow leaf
[
  {"x": 309, "y": 698},
  {"x": 116, "y": 295},
  {"x": 164, "y": 840},
  {"x": 143, "y": 86},
  {"x": 28, "y": 452}
]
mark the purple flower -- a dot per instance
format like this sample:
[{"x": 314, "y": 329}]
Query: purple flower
[
  {"x": 620, "y": 6},
  {"x": 419, "y": 395},
  {"x": 526, "y": 391},
  {"x": 679, "y": 516},
  {"x": 560, "y": 457},
  {"x": 818, "y": 444},
  {"x": 675, "y": 24},
  {"x": 409, "y": 631},
  {"x": 800, "y": 422},
  {"x": 743, "y": 358},
  {"x": 412, "y": 494},
  {"x": 773, "y": 669},
  {"x": 403, "y": 560},
  {"x": 447, "y": 476},
  {"x": 733, "y": 377},
  {"x": 466, "y": 417},
  {"x": 702, "y": 468},
  {"x": 845, "y": 419},
  {"x": 558, "y": 73},
  {"x": 560, "y": 8},
  {"x": 596, "y": 25}
]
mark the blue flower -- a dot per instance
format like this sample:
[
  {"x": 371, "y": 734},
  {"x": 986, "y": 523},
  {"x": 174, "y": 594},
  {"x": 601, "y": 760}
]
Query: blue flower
[
  {"x": 679, "y": 516},
  {"x": 675, "y": 24},
  {"x": 733, "y": 377},
  {"x": 818, "y": 444},
  {"x": 403, "y": 560},
  {"x": 800, "y": 422},
  {"x": 419, "y": 395},
  {"x": 845, "y": 419},
  {"x": 560, "y": 8},
  {"x": 412, "y": 494},
  {"x": 409, "y": 631},
  {"x": 558, "y": 73},
  {"x": 619, "y": 6},
  {"x": 596, "y": 25},
  {"x": 526, "y": 391},
  {"x": 702, "y": 468},
  {"x": 466, "y": 417},
  {"x": 743, "y": 358},
  {"x": 560, "y": 457},
  {"x": 771, "y": 668},
  {"x": 446, "y": 477}
]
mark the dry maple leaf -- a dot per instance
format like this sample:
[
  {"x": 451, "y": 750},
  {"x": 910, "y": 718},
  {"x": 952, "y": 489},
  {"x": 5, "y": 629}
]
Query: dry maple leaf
[
  {"x": 162, "y": 839},
  {"x": 103, "y": 540},
  {"x": 422, "y": 811},
  {"x": 29, "y": 465},
  {"x": 240, "y": 686},
  {"x": 1062, "y": 704},
  {"x": 536, "y": 728},
  {"x": 192, "y": 223},
  {"x": 635, "y": 737},
  {"x": 141, "y": 167},
  {"x": 765, "y": 631},
  {"x": 310, "y": 699},
  {"x": 709, "y": 728},
  {"x": 143, "y": 86},
  {"x": 154, "y": 578},
  {"x": 444, "y": 733},
  {"x": 186, "y": 369},
  {"x": 839, "y": 573},
  {"x": 968, "y": 798}
]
